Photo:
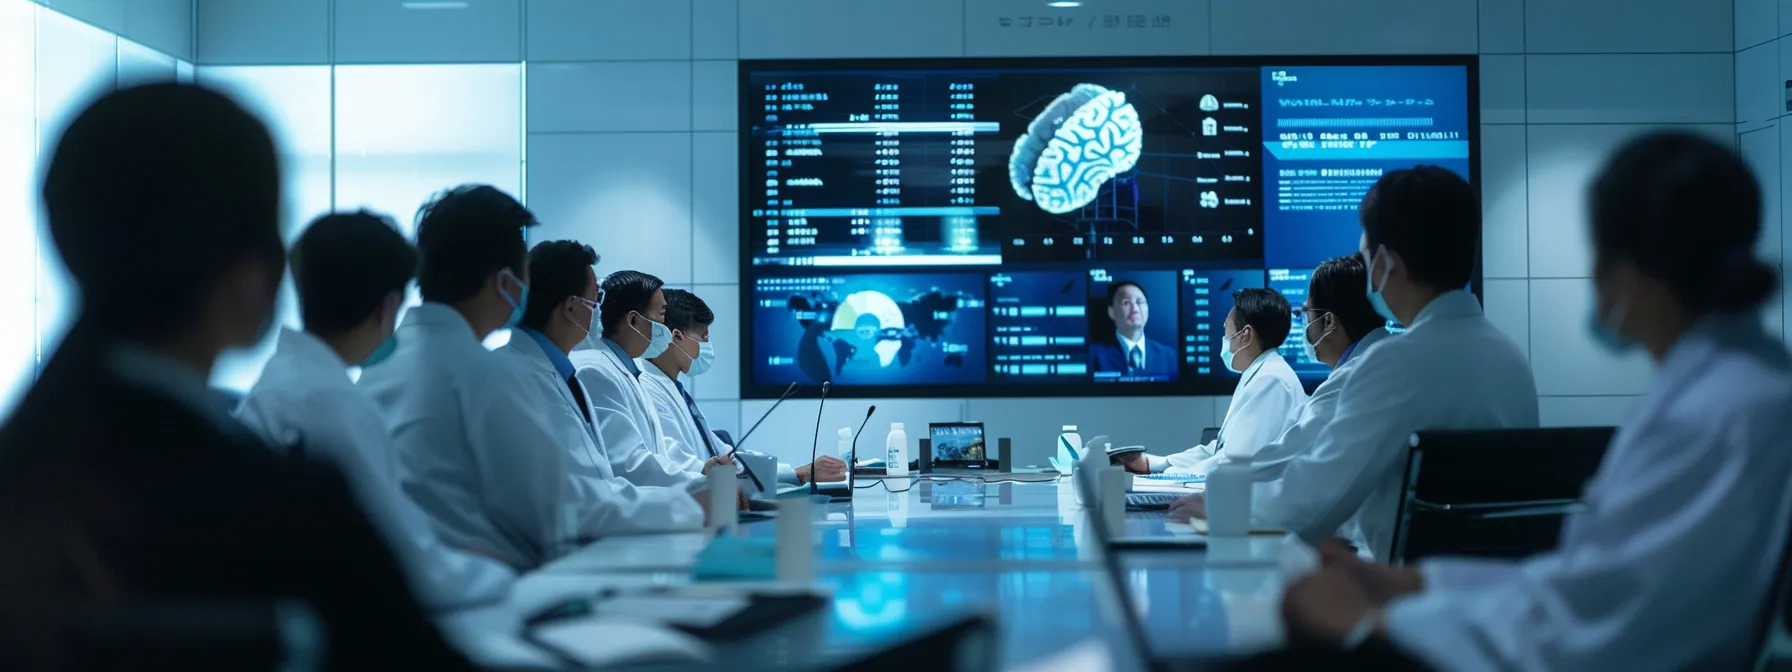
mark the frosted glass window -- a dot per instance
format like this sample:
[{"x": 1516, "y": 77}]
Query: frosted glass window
[
  {"x": 18, "y": 199},
  {"x": 294, "y": 102},
  {"x": 138, "y": 64},
  {"x": 76, "y": 63}
]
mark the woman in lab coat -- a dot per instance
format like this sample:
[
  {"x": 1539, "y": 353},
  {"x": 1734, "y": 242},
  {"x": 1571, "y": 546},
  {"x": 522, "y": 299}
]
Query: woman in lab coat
[
  {"x": 1671, "y": 565},
  {"x": 1269, "y": 396}
]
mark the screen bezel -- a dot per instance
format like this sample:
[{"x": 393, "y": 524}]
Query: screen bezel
[
  {"x": 933, "y": 446},
  {"x": 744, "y": 138}
]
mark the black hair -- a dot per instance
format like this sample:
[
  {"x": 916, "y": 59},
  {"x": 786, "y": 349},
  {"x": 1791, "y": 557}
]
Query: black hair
[
  {"x": 557, "y": 270},
  {"x": 1115, "y": 286},
  {"x": 344, "y": 265},
  {"x": 684, "y": 311},
  {"x": 1267, "y": 313},
  {"x": 466, "y": 234},
  {"x": 1337, "y": 288},
  {"x": 1687, "y": 211},
  {"x": 153, "y": 193},
  {"x": 626, "y": 292},
  {"x": 1431, "y": 217}
]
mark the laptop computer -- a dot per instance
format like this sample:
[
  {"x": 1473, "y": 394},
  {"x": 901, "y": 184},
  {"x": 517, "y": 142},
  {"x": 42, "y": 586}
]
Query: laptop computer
[{"x": 958, "y": 447}]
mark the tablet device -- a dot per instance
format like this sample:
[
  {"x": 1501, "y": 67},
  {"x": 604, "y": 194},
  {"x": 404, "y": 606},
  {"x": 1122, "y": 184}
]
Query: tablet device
[{"x": 958, "y": 446}]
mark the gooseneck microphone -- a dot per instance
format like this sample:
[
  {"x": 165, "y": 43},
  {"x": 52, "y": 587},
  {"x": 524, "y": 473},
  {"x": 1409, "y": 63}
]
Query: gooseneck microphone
[
  {"x": 852, "y": 457},
  {"x": 816, "y": 440},
  {"x": 762, "y": 416}
]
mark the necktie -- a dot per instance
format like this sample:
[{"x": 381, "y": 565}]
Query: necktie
[
  {"x": 702, "y": 427},
  {"x": 578, "y": 397},
  {"x": 1135, "y": 358}
]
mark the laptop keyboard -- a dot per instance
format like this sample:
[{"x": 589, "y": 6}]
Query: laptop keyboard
[{"x": 1151, "y": 500}]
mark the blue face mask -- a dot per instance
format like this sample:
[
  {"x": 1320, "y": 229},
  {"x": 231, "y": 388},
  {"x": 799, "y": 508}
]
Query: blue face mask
[
  {"x": 516, "y": 305},
  {"x": 379, "y": 354},
  {"x": 1604, "y": 328},
  {"x": 1376, "y": 300}
]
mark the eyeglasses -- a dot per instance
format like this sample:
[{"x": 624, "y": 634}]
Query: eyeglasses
[{"x": 589, "y": 303}]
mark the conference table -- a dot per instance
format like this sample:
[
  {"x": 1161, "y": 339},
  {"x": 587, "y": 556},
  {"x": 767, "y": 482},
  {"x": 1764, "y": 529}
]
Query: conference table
[{"x": 909, "y": 554}]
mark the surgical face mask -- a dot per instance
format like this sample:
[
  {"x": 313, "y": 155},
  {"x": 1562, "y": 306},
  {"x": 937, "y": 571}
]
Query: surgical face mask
[
  {"x": 658, "y": 342},
  {"x": 590, "y": 325},
  {"x": 1312, "y": 346},
  {"x": 1376, "y": 300},
  {"x": 379, "y": 354},
  {"x": 1605, "y": 328},
  {"x": 700, "y": 362},
  {"x": 1227, "y": 354},
  {"x": 516, "y": 304}
]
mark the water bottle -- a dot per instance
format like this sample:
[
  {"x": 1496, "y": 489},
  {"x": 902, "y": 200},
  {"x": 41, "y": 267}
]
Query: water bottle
[
  {"x": 1068, "y": 442},
  {"x": 1229, "y": 498},
  {"x": 896, "y": 451},
  {"x": 845, "y": 446}
]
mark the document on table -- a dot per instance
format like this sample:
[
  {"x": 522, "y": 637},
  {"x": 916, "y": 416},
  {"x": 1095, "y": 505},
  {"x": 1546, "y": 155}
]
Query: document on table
[
  {"x": 1160, "y": 484},
  {"x": 604, "y": 643},
  {"x": 692, "y": 611}
]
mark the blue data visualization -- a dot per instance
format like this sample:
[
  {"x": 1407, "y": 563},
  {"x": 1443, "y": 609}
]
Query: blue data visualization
[
  {"x": 878, "y": 329},
  {"x": 924, "y": 227}
]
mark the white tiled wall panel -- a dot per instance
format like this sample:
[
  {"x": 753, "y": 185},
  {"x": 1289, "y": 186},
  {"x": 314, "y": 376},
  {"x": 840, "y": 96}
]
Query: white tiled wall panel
[
  {"x": 1631, "y": 89},
  {"x": 1627, "y": 27},
  {"x": 715, "y": 29},
  {"x": 608, "y": 30},
  {"x": 1584, "y": 411},
  {"x": 1761, "y": 149},
  {"x": 1564, "y": 357},
  {"x": 609, "y": 96},
  {"x": 834, "y": 29},
  {"x": 1562, "y": 161},
  {"x": 263, "y": 32},
  {"x": 1502, "y": 26},
  {"x": 626, "y": 194},
  {"x": 1507, "y": 304},
  {"x": 426, "y": 31},
  {"x": 1502, "y": 90},
  {"x": 722, "y": 381},
  {"x": 107, "y": 15},
  {"x": 1111, "y": 28},
  {"x": 1161, "y": 424},
  {"x": 1757, "y": 22},
  {"x": 715, "y": 208},
  {"x": 1785, "y": 17},
  {"x": 1504, "y": 249},
  {"x": 139, "y": 64},
  {"x": 1329, "y": 27},
  {"x": 713, "y": 95},
  {"x": 1760, "y": 96},
  {"x": 788, "y": 431}
]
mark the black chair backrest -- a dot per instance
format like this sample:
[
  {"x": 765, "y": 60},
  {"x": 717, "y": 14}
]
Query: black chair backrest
[
  {"x": 1210, "y": 434},
  {"x": 1500, "y": 492},
  {"x": 194, "y": 634}
]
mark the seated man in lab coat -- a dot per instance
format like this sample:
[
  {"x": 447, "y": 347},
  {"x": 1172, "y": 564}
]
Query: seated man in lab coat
[
  {"x": 1452, "y": 369},
  {"x": 350, "y": 270},
  {"x": 1339, "y": 325},
  {"x": 687, "y": 435},
  {"x": 633, "y": 317},
  {"x": 1672, "y": 563},
  {"x": 561, "y": 311},
  {"x": 482, "y": 442},
  {"x": 1269, "y": 397}
]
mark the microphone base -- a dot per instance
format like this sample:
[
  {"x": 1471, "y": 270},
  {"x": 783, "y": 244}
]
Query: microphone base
[{"x": 840, "y": 490}]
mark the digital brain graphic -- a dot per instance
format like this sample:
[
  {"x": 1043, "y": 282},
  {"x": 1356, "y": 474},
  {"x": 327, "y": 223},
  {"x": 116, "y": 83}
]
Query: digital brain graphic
[{"x": 1079, "y": 142}]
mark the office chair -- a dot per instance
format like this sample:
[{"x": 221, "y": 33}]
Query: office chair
[
  {"x": 1210, "y": 434},
  {"x": 1493, "y": 493}
]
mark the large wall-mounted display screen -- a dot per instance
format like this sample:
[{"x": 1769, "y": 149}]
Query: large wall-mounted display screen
[{"x": 954, "y": 227}]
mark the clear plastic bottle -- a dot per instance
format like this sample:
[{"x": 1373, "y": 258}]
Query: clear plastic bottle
[
  {"x": 845, "y": 445},
  {"x": 1069, "y": 442},
  {"x": 896, "y": 451}
]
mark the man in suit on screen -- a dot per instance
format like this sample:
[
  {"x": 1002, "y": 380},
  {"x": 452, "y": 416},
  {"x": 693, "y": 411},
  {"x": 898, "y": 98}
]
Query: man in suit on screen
[{"x": 1129, "y": 354}]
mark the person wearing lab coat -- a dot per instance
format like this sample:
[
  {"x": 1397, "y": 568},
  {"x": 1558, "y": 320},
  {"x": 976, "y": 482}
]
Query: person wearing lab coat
[
  {"x": 1338, "y": 325},
  {"x": 688, "y": 438},
  {"x": 561, "y": 309},
  {"x": 350, "y": 270},
  {"x": 1451, "y": 369},
  {"x": 1672, "y": 563},
  {"x": 633, "y": 321},
  {"x": 482, "y": 449},
  {"x": 1269, "y": 396}
]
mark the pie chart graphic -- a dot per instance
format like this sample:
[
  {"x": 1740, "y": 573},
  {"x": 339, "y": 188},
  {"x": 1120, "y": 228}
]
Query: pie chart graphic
[{"x": 864, "y": 316}]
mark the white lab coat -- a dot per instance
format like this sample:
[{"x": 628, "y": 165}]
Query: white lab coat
[
  {"x": 1270, "y": 460},
  {"x": 1267, "y": 401},
  {"x": 484, "y": 446},
  {"x": 682, "y": 441},
  {"x": 1452, "y": 369},
  {"x": 628, "y": 428},
  {"x": 1671, "y": 565},
  {"x": 304, "y": 397}
]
